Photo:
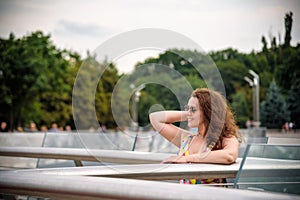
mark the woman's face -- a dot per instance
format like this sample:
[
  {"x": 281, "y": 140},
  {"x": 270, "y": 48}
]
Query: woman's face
[{"x": 195, "y": 114}]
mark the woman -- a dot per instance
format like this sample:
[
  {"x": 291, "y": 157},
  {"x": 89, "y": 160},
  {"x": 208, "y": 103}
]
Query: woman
[{"x": 217, "y": 140}]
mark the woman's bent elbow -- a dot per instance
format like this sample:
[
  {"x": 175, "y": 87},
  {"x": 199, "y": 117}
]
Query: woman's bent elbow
[
  {"x": 230, "y": 158},
  {"x": 152, "y": 117},
  {"x": 155, "y": 121}
]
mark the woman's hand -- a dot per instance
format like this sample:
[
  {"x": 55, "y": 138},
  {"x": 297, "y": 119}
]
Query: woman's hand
[{"x": 175, "y": 159}]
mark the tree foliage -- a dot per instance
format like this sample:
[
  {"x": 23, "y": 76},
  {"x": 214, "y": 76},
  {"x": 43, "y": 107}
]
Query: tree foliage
[
  {"x": 37, "y": 82},
  {"x": 274, "y": 112},
  {"x": 288, "y": 22},
  {"x": 33, "y": 74},
  {"x": 240, "y": 108},
  {"x": 293, "y": 102}
]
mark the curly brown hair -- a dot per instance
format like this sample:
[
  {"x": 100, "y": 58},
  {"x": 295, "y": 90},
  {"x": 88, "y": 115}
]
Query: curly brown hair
[{"x": 218, "y": 119}]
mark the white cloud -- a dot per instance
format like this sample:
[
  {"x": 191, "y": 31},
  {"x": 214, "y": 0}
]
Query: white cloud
[{"x": 65, "y": 27}]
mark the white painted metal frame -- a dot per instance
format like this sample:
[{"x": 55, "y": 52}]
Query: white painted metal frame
[{"x": 82, "y": 187}]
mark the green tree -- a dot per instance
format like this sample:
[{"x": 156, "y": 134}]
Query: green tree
[
  {"x": 293, "y": 102},
  {"x": 105, "y": 88},
  {"x": 233, "y": 72},
  {"x": 240, "y": 108},
  {"x": 274, "y": 110},
  {"x": 146, "y": 101},
  {"x": 265, "y": 45},
  {"x": 32, "y": 68},
  {"x": 288, "y": 22},
  {"x": 170, "y": 94},
  {"x": 84, "y": 92},
  {"x": 54, "y": 91},
  {"x": 289, "y": 71},
  {"x": 93, "y": 92}
]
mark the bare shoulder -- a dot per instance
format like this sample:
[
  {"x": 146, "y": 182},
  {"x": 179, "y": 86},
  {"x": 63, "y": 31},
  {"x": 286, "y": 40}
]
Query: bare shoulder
[
  {"x": 230, "y": 141},
  {"x": 230, "y": 138}
]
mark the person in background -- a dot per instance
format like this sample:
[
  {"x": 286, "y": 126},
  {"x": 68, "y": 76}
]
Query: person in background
[
  {"x": 249, "y": 123},
  {"x": 61, "y": 129},
  {"x": 20, "y": 129},
  {"x": 44, "y": 128},
  {"x": 291, "y": 126},
  {"x": 217, "y": 139},
  {"x": 286, "y": 127},
  {"x": 54, "y": 127},
  {"x": 294, "y": 126},
  {"x": 32, "y": 128},
  {"x": 3, "y": 127},
  {"x": 68, "y": 128}
]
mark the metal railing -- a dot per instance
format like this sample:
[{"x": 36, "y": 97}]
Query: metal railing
[
  {"x": 109, "y": 156},
  {"x": 81, "y": 187},
  {"x": 283, "y": 157},
  {"x": 149, "y": 171},
  {"x": 143, "y": 165}
]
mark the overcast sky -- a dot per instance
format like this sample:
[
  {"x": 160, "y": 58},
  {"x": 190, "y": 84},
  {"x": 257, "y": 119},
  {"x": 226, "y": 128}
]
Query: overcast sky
[{"x": 83, "y": 25}]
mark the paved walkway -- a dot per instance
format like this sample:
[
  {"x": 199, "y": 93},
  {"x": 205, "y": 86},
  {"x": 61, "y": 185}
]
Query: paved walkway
[{"x": 279, "y": 133}]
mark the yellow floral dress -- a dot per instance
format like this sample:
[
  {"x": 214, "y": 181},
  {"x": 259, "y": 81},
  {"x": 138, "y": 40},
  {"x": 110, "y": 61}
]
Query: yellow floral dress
[{"x": 184, "y": 151}]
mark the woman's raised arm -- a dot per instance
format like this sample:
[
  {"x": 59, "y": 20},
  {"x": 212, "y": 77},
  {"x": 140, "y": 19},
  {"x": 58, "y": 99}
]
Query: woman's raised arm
[
  {"x": 162, "y": 123},
  {"x": 227, "y": 155}
]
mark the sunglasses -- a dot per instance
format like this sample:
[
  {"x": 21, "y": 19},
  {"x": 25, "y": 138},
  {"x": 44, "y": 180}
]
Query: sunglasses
[{"x": 191, "y": 109}]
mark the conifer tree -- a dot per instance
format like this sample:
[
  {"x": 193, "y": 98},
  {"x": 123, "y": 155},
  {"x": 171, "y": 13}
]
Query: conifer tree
[
  {"x": 288, "y": 22},
  {"x": 293, "y": 102},
  {"x": 274, "y": 109}
]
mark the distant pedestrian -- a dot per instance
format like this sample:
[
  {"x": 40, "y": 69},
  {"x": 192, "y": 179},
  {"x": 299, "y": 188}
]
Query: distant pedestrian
[
  {"x": 61, "y": 129},
  {"x": 20, "y": 129},
  {"x": 249, "y": 123},
  {"x": 3, "y": 127},
  {"x": 68, "y": 128},
  {"x": 54, "y": 127},
  {"x": 291, "y": 126},
  {"x": 32, "y": 127},
  {"x": 285, "y": 127},
  {"x": 44, "y": 128}
]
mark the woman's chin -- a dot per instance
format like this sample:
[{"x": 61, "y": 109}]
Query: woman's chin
[{"x": 191, "y": 125}]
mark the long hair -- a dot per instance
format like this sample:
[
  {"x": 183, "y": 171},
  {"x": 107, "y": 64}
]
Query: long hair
[{"x": 218, "y": 119}]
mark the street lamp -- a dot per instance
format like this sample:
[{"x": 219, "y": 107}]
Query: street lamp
[
  {"x": 253, "y": 95},
  {"x": 248, "y": 80},
  {"x": 135, "y": 110},
  {"x": 136, "y": 99},
  {"x": 255, "y": 89}
]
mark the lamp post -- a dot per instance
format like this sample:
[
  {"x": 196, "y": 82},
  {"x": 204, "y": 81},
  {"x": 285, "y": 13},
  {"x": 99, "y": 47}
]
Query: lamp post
[
  {"x": 253, "y": 96},
  {"x": 136, "y": 99},
  {"x": 255, "y": 89},
  {"x": 135, "y": 110}
]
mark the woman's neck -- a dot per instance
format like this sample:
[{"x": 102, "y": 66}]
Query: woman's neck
[{"x": 201, "y": 130}]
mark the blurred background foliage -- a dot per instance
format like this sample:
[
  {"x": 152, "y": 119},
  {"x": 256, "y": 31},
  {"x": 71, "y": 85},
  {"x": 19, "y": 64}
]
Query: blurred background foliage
[{"x": 37, "y": 78}]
